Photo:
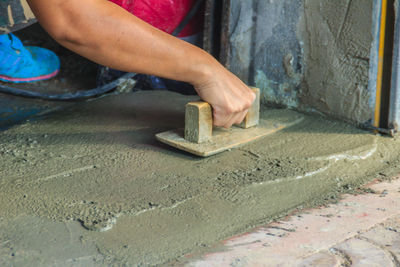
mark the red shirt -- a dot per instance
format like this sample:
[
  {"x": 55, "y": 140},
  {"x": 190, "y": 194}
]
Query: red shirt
[{"x": 164, "y": 14}]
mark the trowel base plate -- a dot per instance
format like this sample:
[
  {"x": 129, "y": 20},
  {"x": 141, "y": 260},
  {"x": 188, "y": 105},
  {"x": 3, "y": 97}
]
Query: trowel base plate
[{"x": 223, "y": 139}]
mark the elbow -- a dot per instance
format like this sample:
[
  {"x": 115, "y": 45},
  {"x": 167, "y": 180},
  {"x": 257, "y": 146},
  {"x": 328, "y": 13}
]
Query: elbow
[
  {"x": 70, "y": 23},
  {"x": 66, "y": 34},
  {"x": 66, "y": 26}
]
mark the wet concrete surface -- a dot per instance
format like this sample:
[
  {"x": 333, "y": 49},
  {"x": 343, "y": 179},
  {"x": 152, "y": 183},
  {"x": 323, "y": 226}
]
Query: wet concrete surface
[
  {"x": 360, "y": 230},
  {"x": 94, "y": 176},
  {"x": 16, "y": 110}
]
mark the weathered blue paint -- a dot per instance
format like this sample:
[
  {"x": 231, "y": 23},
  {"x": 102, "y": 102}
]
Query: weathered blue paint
[
  {"x": 15, "y": 110},
  {"x": 264, "y": 48}
]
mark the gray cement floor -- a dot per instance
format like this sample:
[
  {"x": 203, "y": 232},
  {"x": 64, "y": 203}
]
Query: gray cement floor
[{"x": 91, "y": 185}]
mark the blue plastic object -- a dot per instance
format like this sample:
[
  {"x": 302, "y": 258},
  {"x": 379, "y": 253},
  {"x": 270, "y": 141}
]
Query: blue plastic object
[{"x": 22, "y": 64}]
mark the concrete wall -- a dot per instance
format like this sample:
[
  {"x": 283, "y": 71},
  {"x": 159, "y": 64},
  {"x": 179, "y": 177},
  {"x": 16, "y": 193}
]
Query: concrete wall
[
  {"x": 263, "y": 47},
  {"x": 337, "y": 42},
  {"x": 305, "y": 54}
]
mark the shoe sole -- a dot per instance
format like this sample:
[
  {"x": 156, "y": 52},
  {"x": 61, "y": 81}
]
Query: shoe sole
[{"x": 30, "y": 79}]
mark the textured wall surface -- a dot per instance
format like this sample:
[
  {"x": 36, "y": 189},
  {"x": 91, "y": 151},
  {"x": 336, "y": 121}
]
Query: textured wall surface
[
  {"x": 264, "y": 49},
  {"x": 306, "y": 54},
  {"x": 337, "y": 42}
]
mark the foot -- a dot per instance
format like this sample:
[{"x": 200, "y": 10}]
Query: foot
[{"x": 22, "y": 64}]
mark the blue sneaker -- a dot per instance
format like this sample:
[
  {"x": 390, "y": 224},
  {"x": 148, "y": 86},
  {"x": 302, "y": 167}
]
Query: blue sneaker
[{"x": 22, "y": 64}]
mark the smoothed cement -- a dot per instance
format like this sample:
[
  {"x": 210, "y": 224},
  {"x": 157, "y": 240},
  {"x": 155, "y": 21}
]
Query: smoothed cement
[
  {"x": 98, "y": 170},
  {"x": 337, "y": 42}
]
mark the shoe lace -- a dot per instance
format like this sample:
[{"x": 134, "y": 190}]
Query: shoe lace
[{"x": 16, "y": 43}]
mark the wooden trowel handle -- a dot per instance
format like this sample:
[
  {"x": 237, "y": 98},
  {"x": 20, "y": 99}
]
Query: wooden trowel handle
[{"x": 199, "y": 119}]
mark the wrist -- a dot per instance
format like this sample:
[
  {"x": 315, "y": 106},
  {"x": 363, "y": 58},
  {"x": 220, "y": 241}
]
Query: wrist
[{"x": 202, "y": 69}]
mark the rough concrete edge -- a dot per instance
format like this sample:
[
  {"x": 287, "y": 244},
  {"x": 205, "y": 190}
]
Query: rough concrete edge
[
  {"x": 245, "y": 242},
  {"x": 359, "y": 186}
]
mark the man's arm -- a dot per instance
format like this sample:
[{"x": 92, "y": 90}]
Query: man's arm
[{"x": 107, "y": 34}]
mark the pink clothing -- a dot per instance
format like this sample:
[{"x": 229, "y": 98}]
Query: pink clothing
[{"x": 164, "y": 14}]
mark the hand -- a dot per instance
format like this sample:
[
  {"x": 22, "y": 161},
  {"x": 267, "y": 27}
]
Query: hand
[
  {"x": 229, "y": 97},
  {"x": 108, "y": 35}
]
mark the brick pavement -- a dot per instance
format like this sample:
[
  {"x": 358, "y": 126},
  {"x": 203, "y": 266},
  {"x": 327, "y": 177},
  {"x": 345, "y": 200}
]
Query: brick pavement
[{"x": 360, "y": 230}]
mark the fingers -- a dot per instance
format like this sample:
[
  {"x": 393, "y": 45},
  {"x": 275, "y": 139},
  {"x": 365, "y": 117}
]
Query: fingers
[
  {"x": 229, "y": 120},
  {"x": 237, "y": 118},
  {"x": 242, "y": 116},
  {"x": 253, "y": 98},
  {"x": 249, "y": 98},
  {"x": 222, "y": 120},
  {"x": 229, "y": 97},
  {"x": 235, "y": 112}
]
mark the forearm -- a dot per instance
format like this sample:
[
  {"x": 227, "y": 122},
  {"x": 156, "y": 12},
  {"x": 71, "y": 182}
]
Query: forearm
[{"x": 110, "y": 36}]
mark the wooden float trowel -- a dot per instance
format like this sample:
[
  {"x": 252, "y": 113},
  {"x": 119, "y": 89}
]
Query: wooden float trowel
[{"x": 202, "y": 139}]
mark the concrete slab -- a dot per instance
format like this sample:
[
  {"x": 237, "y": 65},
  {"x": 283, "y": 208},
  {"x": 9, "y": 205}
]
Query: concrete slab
[
  {"x": 32, "y": 241},
  {"x": 99, "y": 166}
]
